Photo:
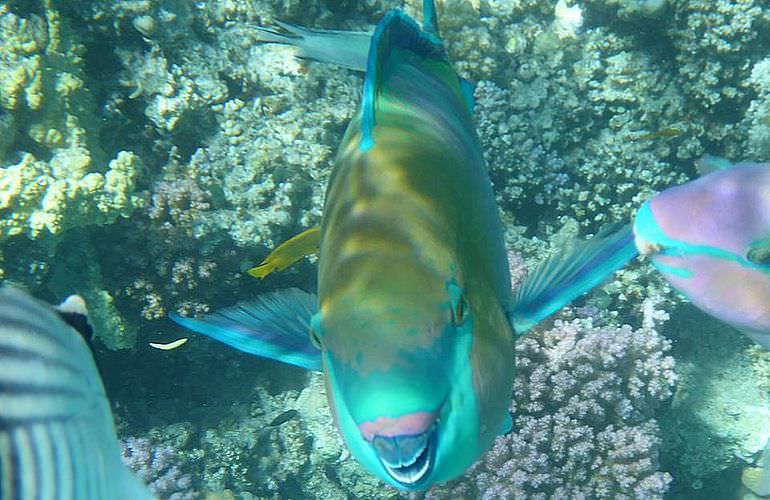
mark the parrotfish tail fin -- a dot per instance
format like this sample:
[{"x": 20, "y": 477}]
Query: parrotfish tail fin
[
  {"x": 288, "y": 252},
  {"x": 342, "y": 48},
  {"x": 568, "y": 274},
  {"x": 400, "y": 49},
  {"x": 275, "y": 325},
  {"x": 430, "y": 18},
  {"x": 57, "y": 438}
]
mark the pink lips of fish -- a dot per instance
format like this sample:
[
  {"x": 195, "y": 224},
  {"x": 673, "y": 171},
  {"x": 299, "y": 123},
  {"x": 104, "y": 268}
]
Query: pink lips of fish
[
  {"x": 411, "y": 424},
  {"x": 698, "y": 236}
]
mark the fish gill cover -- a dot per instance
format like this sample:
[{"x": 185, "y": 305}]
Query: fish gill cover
[{"x": 151, "y": 151}]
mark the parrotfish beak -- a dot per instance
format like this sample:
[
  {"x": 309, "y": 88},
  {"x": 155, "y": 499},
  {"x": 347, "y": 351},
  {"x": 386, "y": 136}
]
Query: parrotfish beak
[
  {"x": 646, "y": 248},
  {"x": 405, "y": 446}
]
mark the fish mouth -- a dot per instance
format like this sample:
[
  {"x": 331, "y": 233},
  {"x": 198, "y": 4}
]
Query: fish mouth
[
  {"x": 646, "y": 248},
  {"x": 408, "y": 459}
]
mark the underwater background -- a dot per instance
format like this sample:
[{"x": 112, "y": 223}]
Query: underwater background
[{"x": 153, "y": 150}]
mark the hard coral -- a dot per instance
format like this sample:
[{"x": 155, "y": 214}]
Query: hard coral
[
  {"x": 159, "y": 466},
  {"x": 584, "y": 426}
]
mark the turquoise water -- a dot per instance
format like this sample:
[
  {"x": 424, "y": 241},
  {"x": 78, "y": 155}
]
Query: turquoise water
[{"x": 151, "y": 151}]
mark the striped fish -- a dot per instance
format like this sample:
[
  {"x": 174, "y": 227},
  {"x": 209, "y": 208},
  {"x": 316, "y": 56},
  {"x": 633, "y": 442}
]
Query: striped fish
[{"x": 57, "y": 439}]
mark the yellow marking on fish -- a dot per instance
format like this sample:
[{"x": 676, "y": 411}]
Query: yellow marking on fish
[
  {"x": 170, "y": 345},
  {"x": 288, "y": 252}
]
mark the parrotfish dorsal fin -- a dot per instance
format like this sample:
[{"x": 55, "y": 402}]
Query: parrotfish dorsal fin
[
  {"x": 710, "y": 163},
  {"x": 396, "y": 31}
]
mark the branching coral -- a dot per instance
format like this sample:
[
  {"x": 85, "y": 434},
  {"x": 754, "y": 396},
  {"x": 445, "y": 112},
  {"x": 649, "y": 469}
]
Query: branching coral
[
  {"x": 159, "y": 467},
  {"x": 584, "y": 427}
]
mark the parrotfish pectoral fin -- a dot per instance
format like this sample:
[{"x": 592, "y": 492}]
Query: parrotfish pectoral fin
[
  {"x": 275, "y": 325},
  {"x": 397, "y": 41},
  {"x": 467, "y": 88},
  {"x": 342, "y": 48},
  {"x": 507, "y": 426},
  {"x": 565, "y": 276},
  {"x": 288, "y": 252}
]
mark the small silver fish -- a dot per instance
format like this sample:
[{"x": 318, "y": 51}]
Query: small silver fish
[{"x": 57, "y": 438}]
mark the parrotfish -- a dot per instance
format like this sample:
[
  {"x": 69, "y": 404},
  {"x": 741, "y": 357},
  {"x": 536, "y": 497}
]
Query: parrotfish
[
  {"x": 414, "y": 321},
  {"x": 710, "y": 239},
  {"x": 57, "y": 438}
]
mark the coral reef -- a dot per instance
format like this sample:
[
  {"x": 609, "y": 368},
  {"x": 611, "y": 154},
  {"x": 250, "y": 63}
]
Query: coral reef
[
  {"x": 720, "y": 415},
  {"x": 157, "y": 465},
  {"x": 584, "y": 402},
  {"x": 584, "y": 126},
  {"x": 757, "y": 118},
  {"x": 303, "y": 457},
  {"x": 150, "y": 150},
  {"x": 60, "y": 179}
]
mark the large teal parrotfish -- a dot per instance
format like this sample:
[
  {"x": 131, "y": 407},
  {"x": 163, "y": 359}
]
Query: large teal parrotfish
[
  {"x": 710, "y": 238},
  {"x": 415, "y": 319}
]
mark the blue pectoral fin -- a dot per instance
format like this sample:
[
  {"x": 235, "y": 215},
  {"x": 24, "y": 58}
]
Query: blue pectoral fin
[
  {"x": 275, "y": 325},
  {"x": 507, "y": 426},
  {"x": 569, "y": 274},
  {"x": 342, "y": 48},
  {"x": 467, "y": 89}
]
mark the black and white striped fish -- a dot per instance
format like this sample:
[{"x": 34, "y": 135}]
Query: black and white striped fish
[{"x": 57, "y": 438}]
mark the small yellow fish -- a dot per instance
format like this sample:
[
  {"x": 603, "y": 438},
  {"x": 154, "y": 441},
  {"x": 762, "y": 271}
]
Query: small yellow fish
[{"x": 288, "y": 252}]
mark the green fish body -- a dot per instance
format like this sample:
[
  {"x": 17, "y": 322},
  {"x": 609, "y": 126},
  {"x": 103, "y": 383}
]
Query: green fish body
[
  {"x": 413, "y": 278},
  {"x": 413, "y": 323}
]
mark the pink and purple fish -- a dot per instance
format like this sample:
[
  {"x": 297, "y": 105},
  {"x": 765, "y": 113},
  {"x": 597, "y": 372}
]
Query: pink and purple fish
[{"x": 710, "y": 238}]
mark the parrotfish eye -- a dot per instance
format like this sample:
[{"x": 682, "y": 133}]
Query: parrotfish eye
[
  {"x": 460, "y": 312},
  {"x": 759, "y": 255},
  {"x": 315, "y": 338}
]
